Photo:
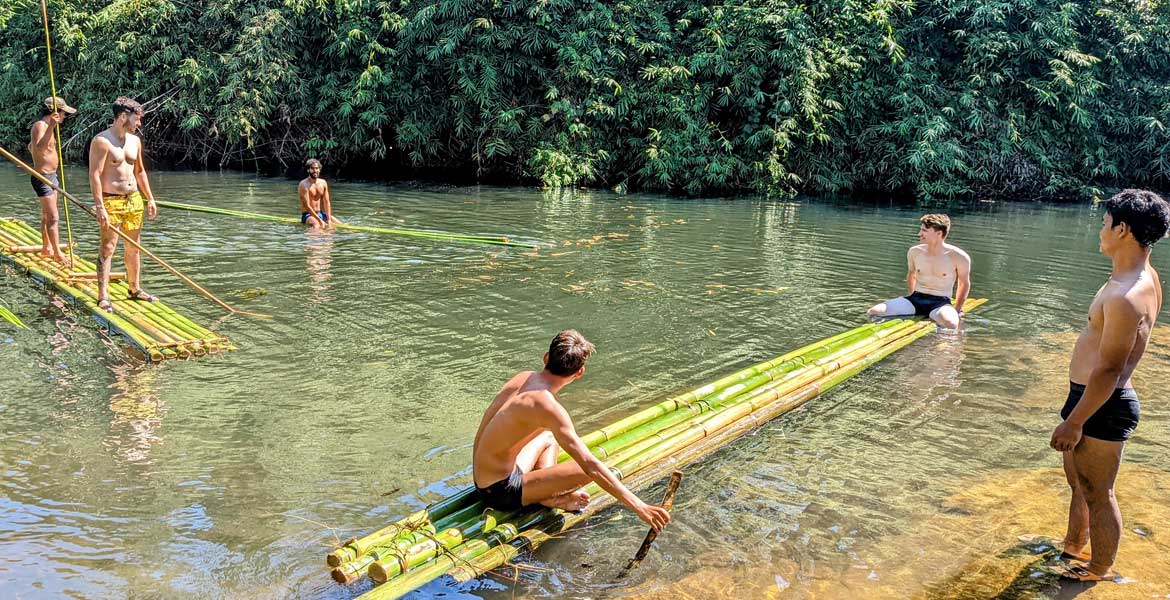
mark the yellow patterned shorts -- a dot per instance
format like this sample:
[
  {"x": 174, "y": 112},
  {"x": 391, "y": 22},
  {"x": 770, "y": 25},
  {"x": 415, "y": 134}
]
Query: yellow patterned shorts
[{"x": 125, "y": 212}]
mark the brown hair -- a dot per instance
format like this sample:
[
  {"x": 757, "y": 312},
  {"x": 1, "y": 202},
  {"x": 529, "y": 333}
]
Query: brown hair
[
  {"x": 127, "y": 105},
  {"x": 937, "y": 222},
  {"x": 568, "y": 352},
  {"x": 312, "y": 162}
]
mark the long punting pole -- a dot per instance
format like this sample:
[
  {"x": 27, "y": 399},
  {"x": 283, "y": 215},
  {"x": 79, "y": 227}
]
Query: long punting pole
[{"x": 128, "y": 240}]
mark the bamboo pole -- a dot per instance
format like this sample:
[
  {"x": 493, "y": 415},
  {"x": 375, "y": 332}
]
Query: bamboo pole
[
  {"x": 128, "y": 240},
  {"x": 358, "y": 546},
  {"x": 432, "y": 547},
  {"x": 397, "y": 545},
  {"x": 434, "y": 235}
]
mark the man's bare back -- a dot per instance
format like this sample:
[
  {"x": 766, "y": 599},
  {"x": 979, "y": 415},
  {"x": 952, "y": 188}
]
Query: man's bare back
[
  {"x": 514, "y": 458},
  {"x": 502, "y": 438}
]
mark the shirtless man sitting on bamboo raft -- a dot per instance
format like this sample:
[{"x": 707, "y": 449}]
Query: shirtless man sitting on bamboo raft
[
  {"x": 316, "y": 205},
  {"x": 935, "y": 268},
  {"x": 514, "y": 460},
  {"x": 121, "y": 196}
]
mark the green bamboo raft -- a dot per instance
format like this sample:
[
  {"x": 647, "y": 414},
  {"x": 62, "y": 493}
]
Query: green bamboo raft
[
  {"x": 155, "y": 330},
  {"x": 458, "y": 537}
]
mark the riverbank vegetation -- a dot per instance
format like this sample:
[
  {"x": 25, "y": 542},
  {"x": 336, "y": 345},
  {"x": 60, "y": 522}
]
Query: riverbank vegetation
[{"x": 963, "y": 98}]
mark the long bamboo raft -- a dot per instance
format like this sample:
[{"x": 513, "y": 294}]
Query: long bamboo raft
[
  {"x": 154, "y": 329},
  {"x": 416, "y": 233},
  {"x": 459, "y": 538}
]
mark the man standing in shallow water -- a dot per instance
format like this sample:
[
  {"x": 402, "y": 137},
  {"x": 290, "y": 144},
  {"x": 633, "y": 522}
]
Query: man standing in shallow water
[
  {"x": 117, "y": 176},
  {"x": 514, "y": 458},
  {"x": 316, "y": 205},
  {"x": 1102, "y": 409},
  {"x": 42, "y": 146},
  {"x": 934, "y": 269}
]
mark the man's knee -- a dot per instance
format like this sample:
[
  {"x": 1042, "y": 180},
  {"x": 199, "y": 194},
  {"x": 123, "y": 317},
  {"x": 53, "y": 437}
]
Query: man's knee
[{"x": 877, "y": 310}]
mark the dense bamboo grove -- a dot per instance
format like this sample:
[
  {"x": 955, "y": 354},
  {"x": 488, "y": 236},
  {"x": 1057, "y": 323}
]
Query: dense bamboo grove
[{"x": 960, "y": 98}]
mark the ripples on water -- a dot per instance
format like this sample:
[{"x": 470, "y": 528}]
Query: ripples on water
[{"x": 230, "y": 476}]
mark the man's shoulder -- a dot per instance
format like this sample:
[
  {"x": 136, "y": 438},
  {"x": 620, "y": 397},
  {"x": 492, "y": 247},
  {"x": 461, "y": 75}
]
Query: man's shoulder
[
  {"x": 38, "y": 125},
  {"x": 958, "y": 252},
  {"x": 917, "y": 249}
]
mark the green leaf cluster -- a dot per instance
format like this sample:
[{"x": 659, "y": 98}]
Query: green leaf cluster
[{"x": 942, "y": 99}]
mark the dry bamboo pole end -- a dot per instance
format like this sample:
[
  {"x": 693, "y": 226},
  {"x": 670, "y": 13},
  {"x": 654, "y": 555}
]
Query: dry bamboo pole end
[
  {"x": 667, "y": 503},
  {"x": 30, "y": 248}
]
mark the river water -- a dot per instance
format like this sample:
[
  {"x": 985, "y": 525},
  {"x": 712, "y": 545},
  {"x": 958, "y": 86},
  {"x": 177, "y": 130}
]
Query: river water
[{"x": 231, "y": 476}]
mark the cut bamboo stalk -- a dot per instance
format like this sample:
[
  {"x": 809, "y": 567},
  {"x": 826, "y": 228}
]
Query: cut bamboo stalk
[
  {"x": 358, "y": 546},
  {"x": 394, "y": 546},
  {"x": 31, "y": 248},
  {"x": 431, "y": 547}
]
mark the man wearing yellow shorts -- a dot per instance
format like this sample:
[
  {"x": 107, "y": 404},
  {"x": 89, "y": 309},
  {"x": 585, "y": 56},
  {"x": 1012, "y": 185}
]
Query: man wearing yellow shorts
[{"x": 121, "y": 195}]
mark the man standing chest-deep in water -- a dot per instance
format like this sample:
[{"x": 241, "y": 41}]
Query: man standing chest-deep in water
[
  {"x": 1102, "y": 409},
  {"x": 935, "y": 269},
  {"x": 121, "y": 196},
  {"x": 42, "y": 146}
]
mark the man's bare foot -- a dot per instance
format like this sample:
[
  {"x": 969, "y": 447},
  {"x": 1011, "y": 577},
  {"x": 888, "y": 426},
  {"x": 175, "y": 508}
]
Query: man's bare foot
[
  {"x": 573, "y": 501},
  {"x": 64, "y": 260}
]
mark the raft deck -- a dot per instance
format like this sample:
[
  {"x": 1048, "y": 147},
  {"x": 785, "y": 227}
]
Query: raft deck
[{"x": 154, "y": 329}]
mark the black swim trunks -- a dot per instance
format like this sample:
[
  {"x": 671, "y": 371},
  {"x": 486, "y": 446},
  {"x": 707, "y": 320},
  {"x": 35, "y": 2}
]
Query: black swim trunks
[
  {"x": 39, "y": 186},
  {"x": 924, "y": 304},
  {"x": 505, "y": 494},
  {"x": 1114, "y": 421}
]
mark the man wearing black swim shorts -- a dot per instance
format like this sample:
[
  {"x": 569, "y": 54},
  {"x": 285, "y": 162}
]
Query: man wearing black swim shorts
[
  {"x": 1102, "y": 409},
  {"x": 42, "y": 146},
  {"x": 514, "y": 458},
  {"x": 934, "y": 270}
]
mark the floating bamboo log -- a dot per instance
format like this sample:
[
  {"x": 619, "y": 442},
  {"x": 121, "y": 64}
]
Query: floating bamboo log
[
  {"x": 418, "y": 233},
  {"x": 30, "y": 248},
  {"x": 715, "y": 415},
  {"x": 152, "y": 328}
]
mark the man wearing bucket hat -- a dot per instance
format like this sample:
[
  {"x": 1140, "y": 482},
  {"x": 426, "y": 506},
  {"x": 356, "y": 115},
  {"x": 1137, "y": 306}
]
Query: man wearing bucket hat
[{"x": 42, "y": 146}]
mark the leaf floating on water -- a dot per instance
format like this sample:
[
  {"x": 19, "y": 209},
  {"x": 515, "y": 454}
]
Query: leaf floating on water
[
  {"x": 712, "y": 332},
  {"x": 251, "y": 293},
  {"x": 11, "y": 317}
]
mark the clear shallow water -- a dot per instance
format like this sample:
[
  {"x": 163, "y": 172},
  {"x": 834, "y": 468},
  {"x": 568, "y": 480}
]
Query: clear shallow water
[{"x": 231, "y": 476}]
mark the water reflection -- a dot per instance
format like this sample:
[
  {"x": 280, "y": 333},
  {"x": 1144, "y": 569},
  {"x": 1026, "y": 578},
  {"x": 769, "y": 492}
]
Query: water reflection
[
  {"x": 318, "y": 262},
  {"x": 138, "y": 410}
]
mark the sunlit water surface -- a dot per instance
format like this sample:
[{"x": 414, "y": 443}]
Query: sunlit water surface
[{"x": 231, "y": 476}]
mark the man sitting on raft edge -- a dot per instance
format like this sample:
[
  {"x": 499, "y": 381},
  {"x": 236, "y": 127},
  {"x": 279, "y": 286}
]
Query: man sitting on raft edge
[
  {"x": 935, "y": 268},
  {"x": 514, "y": 459}
]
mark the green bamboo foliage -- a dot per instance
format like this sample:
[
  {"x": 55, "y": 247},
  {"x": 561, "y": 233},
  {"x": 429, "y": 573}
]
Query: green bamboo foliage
[
  {"x": 639, "y": 450},
  {"x": 153, "y": 328},
  {"x": 1039, "y": 98},
  {"x": 9, "y": 316}
]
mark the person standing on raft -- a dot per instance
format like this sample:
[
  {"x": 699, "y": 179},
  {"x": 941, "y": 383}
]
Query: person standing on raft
[
  {"x": 313, "y": 191},
  {"x": 121, "y": 195},
  {"x": 1102, "y": 409},
  {"x": 42, "y": 146},
  {"x": 934, "y": 269},
  {"x": 514, "y": 459}
]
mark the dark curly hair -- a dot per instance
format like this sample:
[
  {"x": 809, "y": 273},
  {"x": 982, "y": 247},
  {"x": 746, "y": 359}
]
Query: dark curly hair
[{"x": 1146, "y": 213}]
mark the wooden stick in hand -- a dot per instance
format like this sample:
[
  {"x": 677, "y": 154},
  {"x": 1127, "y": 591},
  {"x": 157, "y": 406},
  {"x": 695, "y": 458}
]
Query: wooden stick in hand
[{"x": 667, "y": 503}]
